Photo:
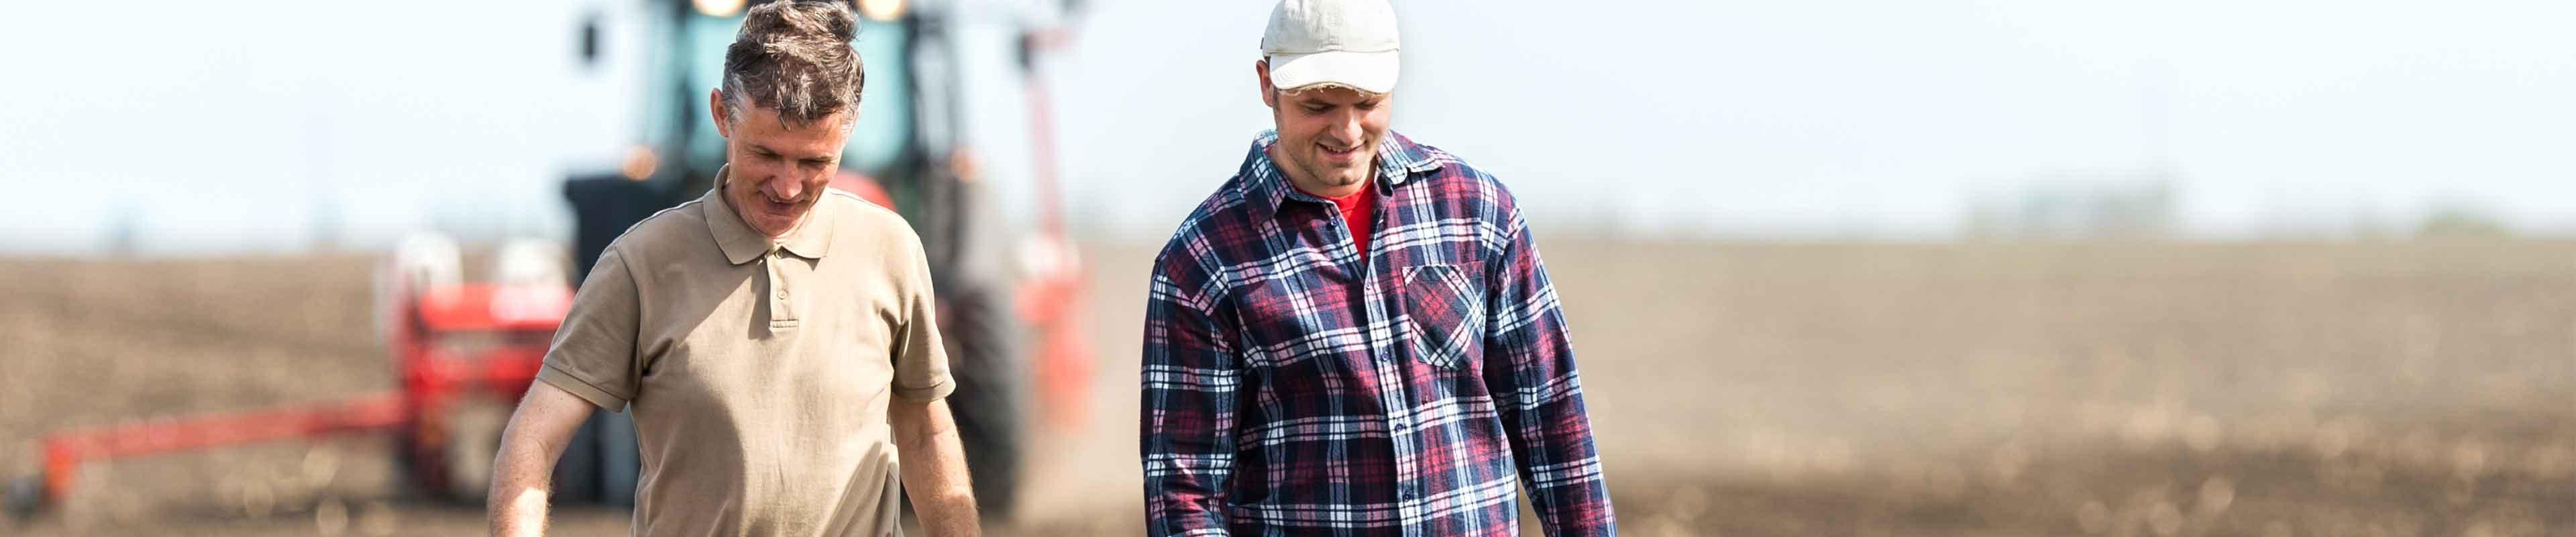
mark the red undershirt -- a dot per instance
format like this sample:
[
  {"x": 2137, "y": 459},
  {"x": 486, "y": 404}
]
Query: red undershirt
[{"x": 1359, "y": 211}]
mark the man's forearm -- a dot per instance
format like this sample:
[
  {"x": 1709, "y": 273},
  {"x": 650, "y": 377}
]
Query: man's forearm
[
  {"x": 517, "y": 499},
  {"x": 517, "y": 503},
  {"x": 538, "y": 431},
  {"x": 946, "y": 501},
  {"x": 934, "y": 468}
]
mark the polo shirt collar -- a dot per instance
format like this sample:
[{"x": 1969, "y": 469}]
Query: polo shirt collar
[
  {"x": 1398, "y": 158},
  {"x": 811, "y": 239}
]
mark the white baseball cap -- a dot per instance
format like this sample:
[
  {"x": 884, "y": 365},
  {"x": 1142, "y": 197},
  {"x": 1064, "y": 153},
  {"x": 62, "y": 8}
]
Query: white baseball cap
[{"x": 1349, "y": 42}]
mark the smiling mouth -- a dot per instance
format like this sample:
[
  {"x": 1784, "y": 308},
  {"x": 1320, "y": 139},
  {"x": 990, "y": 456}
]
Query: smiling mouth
[
  {"x": 775, "y": 206},
  {"x": 1353, "y": 151}
]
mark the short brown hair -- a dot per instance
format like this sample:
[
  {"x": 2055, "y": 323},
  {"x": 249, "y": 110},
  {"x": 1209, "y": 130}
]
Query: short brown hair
[
  {"x": 795, "y": 57},
  {"x": 1301, "y": 90}
]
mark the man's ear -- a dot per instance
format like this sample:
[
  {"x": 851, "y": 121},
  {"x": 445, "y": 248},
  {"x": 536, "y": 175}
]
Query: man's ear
[
  {"x": 1269, "y": 95},
  {"x": 716, "y": 111}
]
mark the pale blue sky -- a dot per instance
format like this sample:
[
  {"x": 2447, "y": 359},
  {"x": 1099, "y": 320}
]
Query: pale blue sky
[
  {"x": 1885, "y": 117},
  {"x": 208, "y": 127}
]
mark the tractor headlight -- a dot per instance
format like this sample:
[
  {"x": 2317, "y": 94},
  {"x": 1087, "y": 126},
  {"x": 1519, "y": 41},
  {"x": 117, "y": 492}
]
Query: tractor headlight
[
  {"x": 881, "y": 10},
  {"x": 717, "y": 8}
]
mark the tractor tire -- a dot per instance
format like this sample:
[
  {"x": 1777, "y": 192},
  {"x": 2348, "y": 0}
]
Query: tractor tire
[
  {"x": 620, "y": 460},
  {"x": 473, "y": 439},
  {"x": 25, "y": 497},
  {"x": 456, "y": 468},
  {"x": 991, "y": 400},
  {"x": 420, "y": 468},
  {"x": 577, "y": 473},
  {"x": 450, "y": 459}
]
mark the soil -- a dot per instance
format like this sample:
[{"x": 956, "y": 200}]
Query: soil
[{"x": 2370, "y": 388}]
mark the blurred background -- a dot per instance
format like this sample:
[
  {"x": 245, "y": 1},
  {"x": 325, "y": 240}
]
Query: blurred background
[{"x": 1832, "y": 268}]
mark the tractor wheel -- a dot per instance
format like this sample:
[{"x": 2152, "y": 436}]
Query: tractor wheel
[
  {"x": 450, "y": 458},
  {"x": 473, "y": 438},
  {"x": 576, "y": 476},
  {"x": 992, "y": 393},
  {"x": 25, "y": 497},
  {"x": 619, "y": 459}
]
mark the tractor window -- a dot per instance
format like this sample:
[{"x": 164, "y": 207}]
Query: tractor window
[{"x": 885, "y": 110}]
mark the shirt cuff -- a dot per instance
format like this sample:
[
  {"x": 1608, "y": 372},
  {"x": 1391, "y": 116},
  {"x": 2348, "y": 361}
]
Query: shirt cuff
[
  {"x": 566, "y": 381},
  {"x": 925, "y": 394}
]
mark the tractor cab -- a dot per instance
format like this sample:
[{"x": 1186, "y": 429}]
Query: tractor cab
[{"x": 675, "y": 157}]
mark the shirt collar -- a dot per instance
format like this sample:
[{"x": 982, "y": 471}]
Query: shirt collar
[
  {"x": 1398, "y": 158},
  {"x": 811, "y": 239}
]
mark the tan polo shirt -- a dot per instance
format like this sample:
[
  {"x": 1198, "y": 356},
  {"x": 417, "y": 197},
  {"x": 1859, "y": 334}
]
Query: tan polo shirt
[{"x": 758, "y": 374}]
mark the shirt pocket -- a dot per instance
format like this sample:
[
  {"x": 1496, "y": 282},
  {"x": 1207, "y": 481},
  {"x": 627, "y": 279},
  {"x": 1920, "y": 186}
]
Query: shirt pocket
[{"x": 1444, "y": 314}]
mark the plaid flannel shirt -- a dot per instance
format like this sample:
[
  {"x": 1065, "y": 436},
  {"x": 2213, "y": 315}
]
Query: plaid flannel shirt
[{"x": 1292, "y": 385}]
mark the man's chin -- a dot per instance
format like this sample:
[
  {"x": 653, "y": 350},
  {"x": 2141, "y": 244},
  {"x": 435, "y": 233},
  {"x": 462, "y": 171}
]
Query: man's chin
[{"x": 773, "y": 224}]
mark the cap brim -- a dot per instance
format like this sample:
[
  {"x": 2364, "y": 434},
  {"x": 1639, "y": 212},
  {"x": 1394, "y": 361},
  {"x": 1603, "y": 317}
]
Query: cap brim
[{"x": 1374, "y": 72}]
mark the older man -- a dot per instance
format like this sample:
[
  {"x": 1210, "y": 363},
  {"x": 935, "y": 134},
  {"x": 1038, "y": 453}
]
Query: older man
[
  {"x": 775, "y": 338},
  {"x": 1354, "y": 335}
]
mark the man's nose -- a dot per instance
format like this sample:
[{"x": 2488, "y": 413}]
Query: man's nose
[
  {"x": 783, "y": 188},
  {"x": 1347, "y": 129}
]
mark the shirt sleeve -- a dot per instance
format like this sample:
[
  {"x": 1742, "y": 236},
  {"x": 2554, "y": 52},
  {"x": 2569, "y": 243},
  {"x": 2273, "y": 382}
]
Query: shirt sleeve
[
  {"x": 1188, "y": 405},
  {"x": 920, "y": 361},
  {"x": 593, "y": 353},
  {"x": 1530, "y": 370}
]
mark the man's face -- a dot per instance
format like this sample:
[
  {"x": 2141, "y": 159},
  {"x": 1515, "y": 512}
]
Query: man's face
[
  {"x": 777, "y": 172},
  {"x": 1328, "y": 135}
]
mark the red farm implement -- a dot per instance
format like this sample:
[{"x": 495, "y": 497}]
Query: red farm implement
[{"x": 458, "y": 348}]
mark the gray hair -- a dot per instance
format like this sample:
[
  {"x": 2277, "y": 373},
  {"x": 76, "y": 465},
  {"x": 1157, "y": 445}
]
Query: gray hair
[{"x": 795, "y": 57}]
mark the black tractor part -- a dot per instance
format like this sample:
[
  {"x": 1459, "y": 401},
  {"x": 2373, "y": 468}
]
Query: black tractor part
[
  {"x": 601, "y": 464},
  {"x": 992, "y": 394},
  {"x": 25, "y": 497}
]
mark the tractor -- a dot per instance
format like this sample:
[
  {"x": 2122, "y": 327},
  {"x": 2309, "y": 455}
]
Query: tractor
[
  {"x": 466, "y": 351},
  {"x": 1006, "y": 298},
  {"x": 997, "y": 286}
]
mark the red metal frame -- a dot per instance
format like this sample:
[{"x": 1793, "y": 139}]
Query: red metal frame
[
  {"x": 66, "y": 451},
  {"x": 511, "y": 324}
]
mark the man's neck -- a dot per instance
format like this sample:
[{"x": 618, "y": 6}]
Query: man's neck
[{"x": 781, "y": 238}]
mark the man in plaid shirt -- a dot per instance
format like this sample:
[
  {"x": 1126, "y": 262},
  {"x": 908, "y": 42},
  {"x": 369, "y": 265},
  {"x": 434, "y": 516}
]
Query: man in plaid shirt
[{"x": 1354, "y": 335}]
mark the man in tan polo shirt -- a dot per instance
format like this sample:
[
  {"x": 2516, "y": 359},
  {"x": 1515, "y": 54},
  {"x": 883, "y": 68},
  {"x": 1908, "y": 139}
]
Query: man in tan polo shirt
[{"x": 775, "y": 339}]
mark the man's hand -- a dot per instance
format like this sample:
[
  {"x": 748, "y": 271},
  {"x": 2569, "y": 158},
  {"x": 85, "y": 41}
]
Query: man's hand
[
  {"x": 934, "y": 467},
  {"x": 516, "y": 505}
]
